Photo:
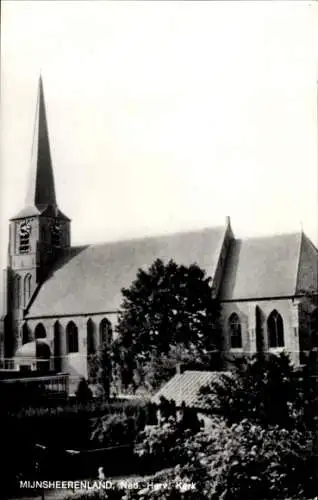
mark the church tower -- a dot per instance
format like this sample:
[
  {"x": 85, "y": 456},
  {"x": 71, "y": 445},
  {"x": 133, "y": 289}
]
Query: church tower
[{"x": 39, "y": 233}]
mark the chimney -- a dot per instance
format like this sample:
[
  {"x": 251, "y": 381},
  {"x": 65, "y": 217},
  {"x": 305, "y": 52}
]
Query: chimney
[
  {"x": 227, "y": 220},
  {"x": 179, "y": 369}
]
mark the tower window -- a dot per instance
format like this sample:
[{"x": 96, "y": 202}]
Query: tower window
[
  {"x": 235, "y": 331},
  {"x": 56, "y": 234},
  {"x": 24, "y": 237},
  {"x": 56, "y": 240},
  {"x": 275, "y": 327}
]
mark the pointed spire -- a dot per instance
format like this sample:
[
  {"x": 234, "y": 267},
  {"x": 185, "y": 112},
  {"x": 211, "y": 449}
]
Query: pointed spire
[{"x": 41, "y": 192}]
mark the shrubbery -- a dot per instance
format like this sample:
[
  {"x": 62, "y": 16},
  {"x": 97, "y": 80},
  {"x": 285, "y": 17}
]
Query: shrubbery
[
  {"x": 83, "y": 391},
  {"x": 245, "y": 460},
  {"x": 266, "y": 390}
]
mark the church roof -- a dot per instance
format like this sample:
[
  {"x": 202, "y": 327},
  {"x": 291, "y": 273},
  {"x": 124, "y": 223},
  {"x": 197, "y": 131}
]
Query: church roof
[
  {"x": 268, "y": 267},
  {"x": 90, "y": 278}
]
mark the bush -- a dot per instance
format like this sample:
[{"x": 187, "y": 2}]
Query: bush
[
  {"x": 243, "y": 461},
  {"x": 111, "y": 430},
  {"x": 83, "y": 392},
  {"x": 265, "y": 390},
  {"x": 162, "y": 445},
  {"x": 247, "y": 461}
]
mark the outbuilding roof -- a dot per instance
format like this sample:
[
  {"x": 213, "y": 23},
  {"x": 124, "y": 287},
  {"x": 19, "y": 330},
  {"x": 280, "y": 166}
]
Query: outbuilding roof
[{"x": 185, "y": 387}]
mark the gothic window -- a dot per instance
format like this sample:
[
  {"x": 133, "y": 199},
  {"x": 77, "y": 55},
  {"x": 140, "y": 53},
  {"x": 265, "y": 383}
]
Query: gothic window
[
  {"x": 72, "y": 337},
  {"x": 91, "y": 351},
  {"x": 39, "y": 332},
  {"x": 105, "y": 332},
  {"x": 17, "y": 291},
  {"x": 57, "y": 347},
  {"x": 91, "y": 344},
  {"x": 27, "y": 289},
  {"x": 275, "y": 327},
  {"x": 259, "y": 330},
  {"x": 235, "y": 331}
]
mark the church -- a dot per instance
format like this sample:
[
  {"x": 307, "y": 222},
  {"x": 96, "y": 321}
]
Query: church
[{"x": 63, "y": 301}]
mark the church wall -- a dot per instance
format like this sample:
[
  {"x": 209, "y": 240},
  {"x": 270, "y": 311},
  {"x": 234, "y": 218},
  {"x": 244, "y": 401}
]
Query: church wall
[
  {"x": 74, "y": 363},
  {"x": 246, "y": 310}
]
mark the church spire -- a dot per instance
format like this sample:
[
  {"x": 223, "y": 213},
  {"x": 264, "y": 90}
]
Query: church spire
[{"x": 41, "y": 192}]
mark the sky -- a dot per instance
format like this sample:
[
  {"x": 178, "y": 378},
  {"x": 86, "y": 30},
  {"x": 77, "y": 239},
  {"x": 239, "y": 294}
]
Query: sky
[{"x": 164, "y": 116}]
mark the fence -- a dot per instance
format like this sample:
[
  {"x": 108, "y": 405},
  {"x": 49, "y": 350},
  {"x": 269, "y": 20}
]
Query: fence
[{"x": 52, "y": 384}]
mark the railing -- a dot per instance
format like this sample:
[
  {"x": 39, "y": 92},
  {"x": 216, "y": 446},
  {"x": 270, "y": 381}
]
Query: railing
[
  {"x": 7, "y": 364},
  {"x": 58, "y": 384}
]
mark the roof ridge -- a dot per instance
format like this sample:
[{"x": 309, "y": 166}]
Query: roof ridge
[
  {"x": 268, "y": 236},
  {"x": 151, "y": 236}
]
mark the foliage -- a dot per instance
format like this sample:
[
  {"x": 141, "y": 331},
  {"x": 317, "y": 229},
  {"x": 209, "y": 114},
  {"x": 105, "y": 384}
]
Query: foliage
[
  {"x": 152, "y": 372},
  {"x": 241, "y": 461},
  {"x": 104, "y": 372},
  {"x": 265, "y": 390},
  {"x": 118, "y": 428},
  {"x": 167, "y": 307},
  {"x": 162, "y": 445},
  {"x": 83, "y": 392},
  {"x": 247, "y": 461}
]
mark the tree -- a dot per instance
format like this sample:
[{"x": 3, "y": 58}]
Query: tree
[
  {"x": 104, "y": 369},
  {"x": 167, "y": 306},
  {"x": 266, "y": 390}
]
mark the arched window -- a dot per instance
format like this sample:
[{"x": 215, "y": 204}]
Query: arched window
[
  {"x": 260, "y": 345},
  {"x": 72, "y": 337},
  {"x": 91, "y": 351},
  {"x": 91, "y": 342},
  {"x": 235, "y": 331},
  {"x": 57, "y": 346},
  {"x": 27, "y": 289},
  {"x": 275, "y": 326},
  {"x": 105, "y": 332},
  {"x": 17, "y": 291},
  {"x": 314, "y": 328},
  {"x": 39, "y": 332},
  {"x": 26, "y": 334}
]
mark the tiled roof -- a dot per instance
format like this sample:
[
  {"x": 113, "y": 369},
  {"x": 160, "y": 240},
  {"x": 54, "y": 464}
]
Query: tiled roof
[
  {"x": 269, "y": 267},
  {"x": 90, "y": 278},
  {"x": 186, "y": 387}
]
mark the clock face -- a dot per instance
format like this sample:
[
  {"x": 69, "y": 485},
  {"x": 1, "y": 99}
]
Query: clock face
[{"x": 25, "y": 229}]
